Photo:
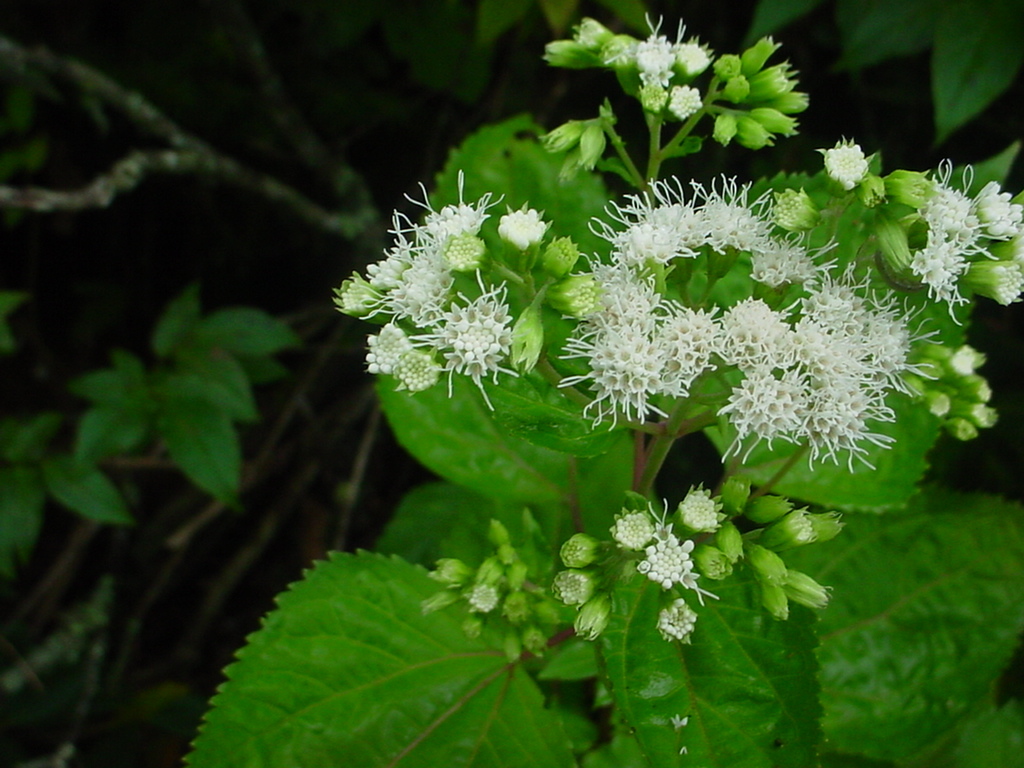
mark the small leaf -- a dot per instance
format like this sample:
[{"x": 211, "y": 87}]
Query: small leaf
[
  {"x": 218, "y": 378},
  {"x": 125, "y": 385},
  {"x": 107, "y": 430},
  {"x": 633, "y": 12},
  {"x": 21, "y": 515},
  {"x": 558, "y": 13},
  {"x": 876, "y": 30},
  {"x": 772, "y": 15},
  {"x": 25, "y": 440},
  {"x": 926, "y": 611},
  {"x": 177, "y": 321},
  {"x": 348, "y": 671},
  {"x": 83, "y": 488},
  {"x": 245, "y": 331},
  {"x": 574, "y": 660},
  {"x": 495, "y": 17},
  {"x": 996, "y": 168},
  {"x": 747, "y": 682},
  {"x": 976, "y": 57},
  {"x": 203, "y": 442}
]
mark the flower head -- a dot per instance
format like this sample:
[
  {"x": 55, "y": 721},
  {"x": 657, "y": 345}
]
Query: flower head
[
  {"x": 846, "y": 164},
  {"x": 677, "y": 623}
]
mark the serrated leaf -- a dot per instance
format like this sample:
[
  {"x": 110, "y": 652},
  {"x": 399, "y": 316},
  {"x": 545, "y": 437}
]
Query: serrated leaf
[
  {"x": 574, "y": 660},
  {"x": 772, "y": 15},
  {"x": 83, "y": 488},
  {"x": 177, "y": 321},
  {"x": 876, "y": 30},
  {"x": 747, "y": 682},
  {"x": 203, "y": 442},
  {"x": 22, "y": 495},
  {"x": 926, "y": 611},
  {"x": 456, "y": 438},
  {"x": 976, "y": 57},
  {"x": 245, "y": 331},
  {"x": 348, "y": 671},
  {"x": 218, "y": 378},
  {"x": 25, "y": 440},
  {"x": 106, "y": 430}
]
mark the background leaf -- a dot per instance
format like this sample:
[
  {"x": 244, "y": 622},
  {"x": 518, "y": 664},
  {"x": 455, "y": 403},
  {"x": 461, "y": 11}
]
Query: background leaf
[
  {"x": 203, "y": 442},
  {"x": 773, "y": 15},
  {"x": 177, "y": 321},
  {"x": 876, "y": 30},
  {"x": 245, "y": 331},
  {"x": 747, "y": 682},
  {"x": 82, "y": 487},
  {"x": 22, "y": 495},
  {"x": 926, "y": 612},
  {"x": 348, "y": 671}
]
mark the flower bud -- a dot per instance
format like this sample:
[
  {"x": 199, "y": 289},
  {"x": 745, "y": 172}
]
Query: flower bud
[
  {"x": 497, "y": 533},
  {"x": 451, "y": 572},
  {"x": 692, "y": 58},
  {"x": 736, "y": 89},
  {"x": 801, "y": 588},
  {"x": 774, "y": 121},
  {"x": 871, "y": 191},
  {"x": 772, "y": 83},
  {"x": 730, "y": 541},
  {"x": 507, "y": 554},
  {"x": 938, "y": 403},
  {"x": 845, "y": 164},
  {"x": 774, "y": 600},
  {"x": 790, "y": 103},
  {"x": 973, "y": 388},
  {"x": 728, "y": 66},
  {"x": 756, "y": 55},
  {"x": 580, "y": 550},
  {"x": 794, "y": 210},
  {"x": 571, "y": 55},
  {"x": 699, "y": 511},
  {"x": 535, "y": 641},
  {"x": 560, "y": 257},
  {"x": 751, "y": 134},
  {"x": 527, "y": 339},
  {"x": 979, "y": 414},
  {"x": 516, "y": 574},
  {"x": 512, "y": 645},
  {"x": 617, "y": 52},
  {"x": 439, "y": 600},
  {"x": 592, "y": 619},
  {"x": 575, "y": 295},
  {"x": 523, "y": 228},
  {"x": 765, "y": 509},
  {"x": 516, "y": 607},
  {"x": 464, "y": 252},
  {"x": 712, "y": 562},
  {"x": 653, "y": 98},
  {"x": 960, "y": 429},
  {"x": 911, "y": 188},
  {"x": 725, "y": 128},
  {"x": 734, "y": 495},
  {"x": 998, "y": 280},
  {"x": 633, "y": 530},
  {"x": 684, "y": 102},
  {"x": 356, "y": 297},
  {"x": 416, "y": 371},
  {"x": 573, "y": 587},
  {"x": 592, "y": 144},
  {"x": 491, "y": 571},
  {"x": 791, "y": 530},
  {"x": 483, "y": 598},
  {"x": 566, "y": 136},
  {"x": 893, "y": 245},
  {"x": 472, "y": 627},
  {"x": 966, "y": 360},
  {"x": 592, "y": 34},
  {"x": 768, "y": 566},
  {"x": 827, "y": 525}
]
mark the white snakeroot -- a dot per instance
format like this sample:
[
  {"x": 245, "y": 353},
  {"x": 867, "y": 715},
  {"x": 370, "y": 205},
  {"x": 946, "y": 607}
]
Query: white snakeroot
[
  {"x": 846, "y": 164},
  {"x": 657, "y": 226},
  {"x": 688, "y": 339},
  {"x": 386, "y": 349},
  {"x": 482, "y": 598},
  {"x": 766, "y": 408},
  {"x": 754, "y": 336},
  {"x": 633, "y": 530},
  {"x": 522, "y": 228},
  {"x": 417, "y": 371},
  {"x": 655, "y": 58},
  {"x": 700, "y": 512},
  {"x": 684, "y": 101},
  {"x": 668, "y": 560},
  {"x": 677, "y": 623},
  {"x": 730, "y": 219},
  {"x": 423, "y": 289},
  {"x": 1000, "y": 218},
  {"x": 452, "y": 220},
  {"x": 573, "y": 587},
  {"x": 782, "y": 263},
  {"x": 692, "y": 57}
]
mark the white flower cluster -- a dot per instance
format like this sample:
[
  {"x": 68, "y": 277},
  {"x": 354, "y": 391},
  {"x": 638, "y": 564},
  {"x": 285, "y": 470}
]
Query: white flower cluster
[{"x": 658, "y": 59}]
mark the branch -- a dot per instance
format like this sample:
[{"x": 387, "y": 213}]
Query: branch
[{"x": 191, "y": 154}]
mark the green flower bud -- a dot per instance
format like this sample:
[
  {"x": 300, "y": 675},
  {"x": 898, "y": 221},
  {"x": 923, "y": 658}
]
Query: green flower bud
[
  {"x": 571, "y": 55},
  {"x": 751, "y": 134},
  {"x": 790, "y": 103},
  {"x": 482, "y": 598},
  {"x": 575, "y": 295},
  {"x": 965, "y": 360},
  {"x": 464, "y": 252},
  {"x": 871, "y": 191},
  {"x": 416, "y": 371},
  {"x": 973, "y": 388},
  {"x": 712, "y": 562},
  {"x": 774, "y": 121},
  {"x": 801, "y": 588},
  {"x": 827, "y": 525},
  {"x": 497, "y": 533},
  {"x": 728, "y": 66},
  {"x": 774, "y": 600},
  {"x": 979, "y": 414},
  {"x": 794, "y": 210},
  {"x": 516, "y": 607},
  {"x": 756, "y": 55},
  {"x": 573, "y": 587},
  {"x": 893, "y": 246},
  {"x": 765, "y": 509},
  {"x": 516, "y": 574},
  {"x": 507, "y": 554},
  {"x": 566, "y": 136},
  {"x": 560, "y": 257},
  {"x": 768, "y": 566},
  {"x": 592, "y": 34},
  {"x": 547, "y": 613},
  {"x": 616, "y": 52},
  {"x": 734, "y": 495},
  {"x": 938, "y": 403},
  {"x": 736, "y": 89},
  {"x": 451, "y": 572},
  {"x": 653, "y": 98},
  {"x": 730, "y": 541},
  {"x": 790, "y": 530},
  {"x": 592, "y": 144},
  {"x": 771, "y": 83},
  {"x": 439, "y": 600},
  {"x": 527, "y": 339},
  {"x": 472, "y": 627},
  {"x": 1002, "y": 281},
  {"x": 592, "y": 619},
  {"x": 512, "y": 645},
  {"x": 960, "y": 429},
  {"x": 911, "y": 188},
  {"x": 580, "y": 550},
  {"x": 491, "y": 571},
  {"x": 356, "y": 297},
  {"x": 535, "y": 641},
  {"x": 725, "y": 128}
]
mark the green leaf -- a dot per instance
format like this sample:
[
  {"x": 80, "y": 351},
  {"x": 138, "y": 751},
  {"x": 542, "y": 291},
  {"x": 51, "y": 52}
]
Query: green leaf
[
  {"x": 106, "y": 430},
  {"x": 996, "y": 168},
  {"x": 177, "y": 321},
  {"x": 25, "y": 440},
  {"x": 558, "y": 13},
  {"x": 83, "y": 488},
  {"x": 876, "y": 30},
  {"x": 124, "y": 385},
  {"x": 772, "y": 15},
  {"x": 926, "y": 611},
  {"x": 457, "y": 439},
  {"x": 495, "y": 17},
  {"x": 508, "y": 157},
  {"x": 219, "y": 379},
  {"x": 21, "y": 515},
  {"x": 747, "y": 682},
  {"x": 203, "y": 442},
  {"x": 348, "y": 671},
  {"x": 574, "y": 660},
  {"x": 245, "y": 331},
  {"x": 993, "y": 739},
  {"x": 633, "y": 12},
  {"x": 976, "y": 57},
  {"x": 621, "y": 752},
  {"x": 529, "y": 408},
  {"x": 9, "y": 301}
]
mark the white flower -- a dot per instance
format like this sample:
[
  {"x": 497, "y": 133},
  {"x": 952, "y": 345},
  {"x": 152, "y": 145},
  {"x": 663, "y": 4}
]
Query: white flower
[
  {"x": 684, "y": 101},
  {"x": 783, "y": 262},
  {"x": 655, "y": 58},
  {"x": 633, "y": 530},
  {"x": 573, "y": 587},
  {"x": 730, "y": 220},
  {"x": 423, "y": 289},
  {"x": 754, "y": 336},
  {"x": 846, "y": 163},
  {"x": 658, "y": 226},
  {"x": 688, "y": 338},
  {"x": 939, "y": 266},
  {"x": 452, "y": 220},
  {"x": 522, "y": 228},
  {"x": 677, "y": 623},
  {"x": 766, "y": 407},
  {"x": 836, "y": 419},
  {"x": 692, "y": 58},
  {"x": 416, "y": 371},
  {"x": 699, "y": 511},
  {"x": 386, "y": 349},
  {"x": 1001, "y": 219},
  {"x": 668, "y": 560},
  {"x": 482, "y": 598}
]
